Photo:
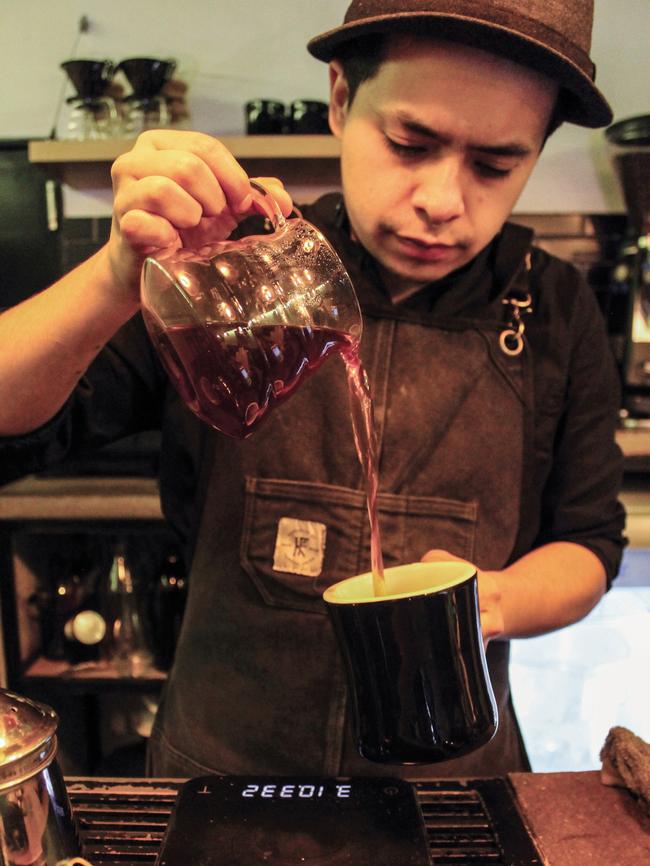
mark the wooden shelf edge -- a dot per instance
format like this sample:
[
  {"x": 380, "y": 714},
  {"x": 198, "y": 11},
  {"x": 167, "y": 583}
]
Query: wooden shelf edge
[
  {"x": 79, "y": 498},
  {"x": 241, "y": 146},
  {"x": 634, "y": 442},
  {"x": 91, "y": 676}
]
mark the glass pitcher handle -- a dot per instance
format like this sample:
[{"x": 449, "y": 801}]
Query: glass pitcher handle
[{"x": 268, "y": 205}]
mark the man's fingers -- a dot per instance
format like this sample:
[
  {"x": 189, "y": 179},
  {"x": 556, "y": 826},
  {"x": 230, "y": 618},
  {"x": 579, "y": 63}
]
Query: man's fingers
[
  {"x": 279, "y": 193},
  {"x": 146, "y": 232},
  {"x": 438, "y": 555},
  {"x": 491, "y": 625},
  {"x": 161, "y": 196},
  {"x": 222, "y": 164},
  {"x": 195, "y": 163},
  {"x": 489, "y": 594},
  {"x": 186, "y": 170}
]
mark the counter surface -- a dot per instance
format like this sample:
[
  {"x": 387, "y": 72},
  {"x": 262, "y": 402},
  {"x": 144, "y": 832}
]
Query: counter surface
[{"x": 575, "y": 820}]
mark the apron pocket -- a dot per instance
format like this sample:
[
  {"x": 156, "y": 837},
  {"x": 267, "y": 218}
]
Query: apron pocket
[
  {"x": 300, "y": 537},
  {"x": 412, "y": 525}
]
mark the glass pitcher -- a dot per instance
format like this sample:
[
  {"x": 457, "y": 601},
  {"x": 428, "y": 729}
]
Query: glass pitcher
[{"x": 241, "y": 323}]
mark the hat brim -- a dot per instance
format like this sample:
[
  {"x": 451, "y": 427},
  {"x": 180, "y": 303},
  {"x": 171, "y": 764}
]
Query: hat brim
[{"x": 580, "y": 100}]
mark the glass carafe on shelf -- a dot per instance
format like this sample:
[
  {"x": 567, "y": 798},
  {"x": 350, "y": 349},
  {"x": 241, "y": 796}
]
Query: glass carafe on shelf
[
  {"x": 129, "y": 653},
  {"x": 146, "y": 107},
  {"x": 93, "y": 114}
]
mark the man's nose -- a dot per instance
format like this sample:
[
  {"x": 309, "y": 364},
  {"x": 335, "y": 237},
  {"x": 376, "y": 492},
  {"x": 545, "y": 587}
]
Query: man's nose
[{"x": 438, "y": 194}]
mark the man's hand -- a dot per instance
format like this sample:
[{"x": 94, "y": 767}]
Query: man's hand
[
  {"x": 174, "y": 189},
  {"x": 550, "y": 587},
  {"x": 489, "y": 595}
]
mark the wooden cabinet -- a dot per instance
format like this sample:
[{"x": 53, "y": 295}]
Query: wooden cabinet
[{"x": 43, "y": 520}]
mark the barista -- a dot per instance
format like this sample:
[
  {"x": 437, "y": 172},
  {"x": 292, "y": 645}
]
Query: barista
[{"x": 500, "y": 454}]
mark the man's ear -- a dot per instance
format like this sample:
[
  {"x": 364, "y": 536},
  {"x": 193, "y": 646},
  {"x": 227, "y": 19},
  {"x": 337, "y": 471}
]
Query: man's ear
[{"x": 339, "y": 94}]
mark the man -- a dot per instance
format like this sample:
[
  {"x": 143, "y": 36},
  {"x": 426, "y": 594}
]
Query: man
[{"x": 495, "y": 395}]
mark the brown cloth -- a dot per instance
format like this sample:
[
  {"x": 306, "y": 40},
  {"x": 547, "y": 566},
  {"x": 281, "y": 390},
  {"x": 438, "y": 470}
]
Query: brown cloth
[{"x": 626, "y": 763}]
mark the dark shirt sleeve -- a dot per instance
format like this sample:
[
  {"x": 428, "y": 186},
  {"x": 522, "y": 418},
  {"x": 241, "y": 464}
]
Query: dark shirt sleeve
[
  {"x": 580, "y": 500},
  {"x": 119, "y": 395}
]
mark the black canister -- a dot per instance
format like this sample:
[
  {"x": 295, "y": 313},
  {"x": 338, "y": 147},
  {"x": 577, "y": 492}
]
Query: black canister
[
  {"x": 265, "y": 117},
  {"x": 309, "y": 117}
]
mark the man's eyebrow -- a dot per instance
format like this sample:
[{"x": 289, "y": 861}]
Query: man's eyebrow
[
  {"x": 507, "y": 149},
  {"x": 511, "y": 149}
]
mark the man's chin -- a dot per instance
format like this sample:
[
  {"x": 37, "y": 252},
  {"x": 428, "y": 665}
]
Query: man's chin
[
  {"x": 423, "y": 266},
  {"x": 418, "y": 277}
]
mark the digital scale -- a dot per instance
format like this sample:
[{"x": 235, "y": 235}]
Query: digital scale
[{"x": 287, "y": 820}]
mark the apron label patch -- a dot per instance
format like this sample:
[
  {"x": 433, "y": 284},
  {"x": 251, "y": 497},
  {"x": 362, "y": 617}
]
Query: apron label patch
[{"x": 299, "y": 547}]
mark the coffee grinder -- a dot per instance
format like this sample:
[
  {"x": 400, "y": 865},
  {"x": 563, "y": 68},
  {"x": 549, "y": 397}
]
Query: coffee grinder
[{"x": 629, "y": 141}]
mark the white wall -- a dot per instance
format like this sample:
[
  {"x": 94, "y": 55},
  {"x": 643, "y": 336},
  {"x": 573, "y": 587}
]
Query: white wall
[
  {"x": 574, "y": 173},
  {"x": 232, "y": 50},
  {"x": 228, "y": 51}
]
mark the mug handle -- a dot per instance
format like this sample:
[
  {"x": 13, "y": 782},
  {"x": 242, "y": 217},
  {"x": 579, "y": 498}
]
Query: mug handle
[{"x": 268, "y": 206}]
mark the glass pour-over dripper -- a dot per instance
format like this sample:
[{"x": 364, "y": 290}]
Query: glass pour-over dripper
[{"x": 93, "y": 114}]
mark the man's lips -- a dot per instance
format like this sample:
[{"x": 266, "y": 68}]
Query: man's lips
[{"x": 426, "y": 250}]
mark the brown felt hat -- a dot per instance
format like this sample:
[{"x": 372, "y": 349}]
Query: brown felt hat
[{"x": 550, "y": 36}]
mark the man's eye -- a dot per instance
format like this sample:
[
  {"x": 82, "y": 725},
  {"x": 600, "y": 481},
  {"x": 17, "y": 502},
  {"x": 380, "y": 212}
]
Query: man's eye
[
  {"x": 404, "y": 149},
  {"x": 487, "y": 170}
]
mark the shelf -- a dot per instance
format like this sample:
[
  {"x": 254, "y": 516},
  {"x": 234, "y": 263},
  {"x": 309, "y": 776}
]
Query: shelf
[
  {"x": 89, "y": 677},
  {"x": 85, "y": 498},
  {"x": 80, "y": 499},
  {"x": 241, "y": 146},
  {"x": 634, "y": 441}
]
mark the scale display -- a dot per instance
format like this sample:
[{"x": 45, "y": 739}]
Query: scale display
[{"x": 286, "y": 820}]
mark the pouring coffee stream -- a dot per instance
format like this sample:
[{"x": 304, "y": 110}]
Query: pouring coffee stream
[
  {"x": 365, "y": 441},
  {"x": 240, "y": 324}
]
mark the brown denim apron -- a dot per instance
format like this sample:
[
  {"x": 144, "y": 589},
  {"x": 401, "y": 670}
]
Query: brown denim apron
[{"x": 258, "y": 685}]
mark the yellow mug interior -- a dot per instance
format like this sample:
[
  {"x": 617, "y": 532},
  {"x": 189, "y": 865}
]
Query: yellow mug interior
[{"x": 402, "y": 581}]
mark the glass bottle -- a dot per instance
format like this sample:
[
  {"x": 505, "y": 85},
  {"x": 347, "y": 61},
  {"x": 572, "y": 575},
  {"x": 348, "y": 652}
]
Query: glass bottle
[{"x": 129, "y": 652}]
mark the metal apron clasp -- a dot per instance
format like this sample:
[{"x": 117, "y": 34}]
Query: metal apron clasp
[{"x": 511, "y": 340}]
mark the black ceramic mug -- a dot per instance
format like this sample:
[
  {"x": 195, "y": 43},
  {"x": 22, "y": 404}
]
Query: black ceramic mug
[
  {"x": 265, "y": 117},
  {"x": 309, "y": 117},
  {"x": 415, "y": 662}
]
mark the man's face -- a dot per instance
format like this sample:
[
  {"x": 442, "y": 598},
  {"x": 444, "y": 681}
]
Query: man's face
[{"x": 435, "y": 150}]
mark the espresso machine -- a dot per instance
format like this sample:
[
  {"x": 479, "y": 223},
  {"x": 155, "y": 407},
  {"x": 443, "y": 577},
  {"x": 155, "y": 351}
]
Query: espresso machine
[{"x": 629, "y": 141}]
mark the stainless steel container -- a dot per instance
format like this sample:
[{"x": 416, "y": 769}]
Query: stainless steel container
[{"x": 36, "y": 822}]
